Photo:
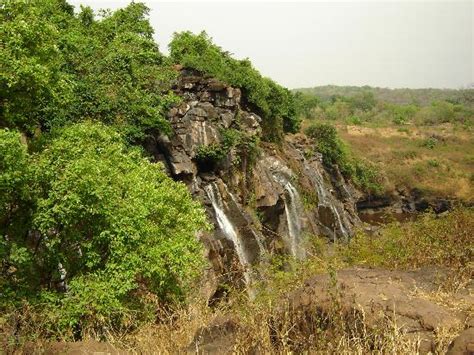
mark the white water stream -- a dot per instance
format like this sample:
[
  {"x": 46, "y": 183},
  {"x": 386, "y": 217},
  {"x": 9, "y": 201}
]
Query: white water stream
[{"x": 227, "y": 228}]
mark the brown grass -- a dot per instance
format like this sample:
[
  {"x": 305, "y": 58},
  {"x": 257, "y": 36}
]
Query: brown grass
[{"x": 446, "y": 170}]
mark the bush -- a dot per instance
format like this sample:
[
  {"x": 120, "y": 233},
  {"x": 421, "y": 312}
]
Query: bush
[
  {"x": 328, "y": 143},
  {"x": 110, "y": 234},
  {"x": 429, "y": 143},
  {"x": 354, "y": 120},
  {"x": 58, "y": 68}
]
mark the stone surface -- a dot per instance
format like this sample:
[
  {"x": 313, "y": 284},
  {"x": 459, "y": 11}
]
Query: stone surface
[
  {"x": 463, "y": 344},
  {"x": 378, "y": 294},
  {"x": 208, "y": 108}
]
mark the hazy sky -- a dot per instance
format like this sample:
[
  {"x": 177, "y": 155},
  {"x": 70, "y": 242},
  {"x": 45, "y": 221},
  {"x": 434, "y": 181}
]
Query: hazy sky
[{"x": 302, "y": 44}]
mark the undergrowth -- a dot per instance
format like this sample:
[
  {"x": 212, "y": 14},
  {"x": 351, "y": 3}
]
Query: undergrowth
[{"x": 268, "y": 323}]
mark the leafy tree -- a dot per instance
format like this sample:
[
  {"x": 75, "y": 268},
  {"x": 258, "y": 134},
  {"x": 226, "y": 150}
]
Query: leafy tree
[
  {"x": 123, "y": 79},
  {"x": 363, "y": 101},
  {"x": 59, "y": 68},
  {"x": 34, "y": 88},
  {"x": 107, "y": 223},
  {"x": 306, "y": 103}
]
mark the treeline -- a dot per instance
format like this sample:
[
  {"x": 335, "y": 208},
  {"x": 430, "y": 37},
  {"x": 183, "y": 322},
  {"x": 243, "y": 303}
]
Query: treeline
[
  {"x": 363, "y": 105},
  {"x": 420, "y": 97},
  {"x": 93, "y": 235}
]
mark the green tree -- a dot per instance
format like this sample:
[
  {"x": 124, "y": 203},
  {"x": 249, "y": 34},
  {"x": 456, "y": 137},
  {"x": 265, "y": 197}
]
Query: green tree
[
  {"x": 58, "y": 68},
  {"x": 34, "y": 88},
  {"x": 107, "y": 223}
]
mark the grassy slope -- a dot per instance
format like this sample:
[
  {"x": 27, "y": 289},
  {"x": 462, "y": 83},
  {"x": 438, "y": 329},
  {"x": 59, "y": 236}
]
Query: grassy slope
[
  {"x": 436, "y": 158},
  {"x": 410, "y": 158}
]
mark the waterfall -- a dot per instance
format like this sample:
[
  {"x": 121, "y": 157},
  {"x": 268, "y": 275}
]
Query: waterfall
[
  {"x": 257, "y": 237},
  {"x": 293, "y": 212},
  {"x": 327, "y": 200},
  {"x": 227, "y": 228}
]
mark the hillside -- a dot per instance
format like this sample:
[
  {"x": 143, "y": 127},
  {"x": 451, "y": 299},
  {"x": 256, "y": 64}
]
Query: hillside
[
  {"x": 422, "y": 97},
  {"x": 185, "y": 203}
]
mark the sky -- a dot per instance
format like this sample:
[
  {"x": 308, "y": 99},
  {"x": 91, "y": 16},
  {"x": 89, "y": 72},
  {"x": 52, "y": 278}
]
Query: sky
[{"x": 393, "y": 44}]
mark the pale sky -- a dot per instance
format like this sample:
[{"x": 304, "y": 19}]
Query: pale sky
[{"x": 303, "y": 44}]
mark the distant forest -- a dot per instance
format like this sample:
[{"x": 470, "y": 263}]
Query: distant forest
[{"x": 421, "y": 97}]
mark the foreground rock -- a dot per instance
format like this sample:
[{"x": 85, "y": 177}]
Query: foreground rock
[{"x": 365, "y": 299}]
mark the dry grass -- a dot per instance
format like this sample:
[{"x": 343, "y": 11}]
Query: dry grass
[
  {"x": 269, "y": 323},
  {"x": 446, "y": 169}
]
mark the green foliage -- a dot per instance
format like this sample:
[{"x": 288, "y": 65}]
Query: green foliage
[
  {"x": 15, "y": 205},
  {"x": 106, "y": 224},
  {"x": 328, "y": 143},
  {"x": 58, "y": 67},
  {"x": 367, "y": 176},
  {"x": 275, "y": 103},
  {"x": 34, "y": 86},
  {"x": 362, "y": 101},
  {"x": 210, "y": 154},
  {"x": 246, "y": 146},
  {"x": 305, "y": 104},
  {"x": 354, "y": 120},
  {"x": 402, "y": 114},
  {"x": 430, "y": 143}
]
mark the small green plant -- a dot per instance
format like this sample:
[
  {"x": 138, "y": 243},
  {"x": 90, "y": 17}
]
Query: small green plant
[
  {"x": 211, "y": 153},
  {"x": 354, "y": 120},
  {"x": 433, "y": 163},
  {"x": 430, "y": 143}
]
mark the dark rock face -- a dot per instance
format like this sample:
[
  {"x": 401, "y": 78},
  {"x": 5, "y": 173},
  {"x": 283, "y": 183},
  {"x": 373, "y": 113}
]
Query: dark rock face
[{"x": 264, "y": 207}]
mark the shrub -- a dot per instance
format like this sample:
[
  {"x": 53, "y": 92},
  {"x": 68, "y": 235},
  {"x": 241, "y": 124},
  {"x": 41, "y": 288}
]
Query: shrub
[
  {"x": 110, "y": 234},
  {"x": 328, "y": 143},
  {"x": 354, "y": 120},
  {"x": 430, "y": 143},
  {"x": 58, "y": 68}
]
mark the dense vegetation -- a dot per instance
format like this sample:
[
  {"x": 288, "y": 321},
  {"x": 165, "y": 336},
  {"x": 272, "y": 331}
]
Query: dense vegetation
[
  {"x": 86, "y": 221},
  {"x": 420, "y": 97},
  {"x": 95, "y": 238},
  {"x": 92, "y": 233}
]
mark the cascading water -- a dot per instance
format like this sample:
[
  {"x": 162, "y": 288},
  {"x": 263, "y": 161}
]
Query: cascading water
[
  {"x": 326, "y": 199},
  {"x": 257, "y": 237},
  {"x": 293, "y": 211},
  {"x": 227, "y": 227}
]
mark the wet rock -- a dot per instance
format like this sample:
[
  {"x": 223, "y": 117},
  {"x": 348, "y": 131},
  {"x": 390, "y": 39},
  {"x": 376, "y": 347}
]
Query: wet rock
[{"x": 266, "y": 211}]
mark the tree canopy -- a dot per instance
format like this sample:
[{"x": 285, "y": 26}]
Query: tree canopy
[{"x": 103, "y": 218}]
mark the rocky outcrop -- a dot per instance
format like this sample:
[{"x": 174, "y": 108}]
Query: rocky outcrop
[
  {"x": 358, "y": 303},
  {"x": 268, "y": 204},
  {"x": 379, "y": 294}
]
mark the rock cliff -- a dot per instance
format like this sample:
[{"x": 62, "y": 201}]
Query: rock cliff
[{"x": 262, "y": 198}]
